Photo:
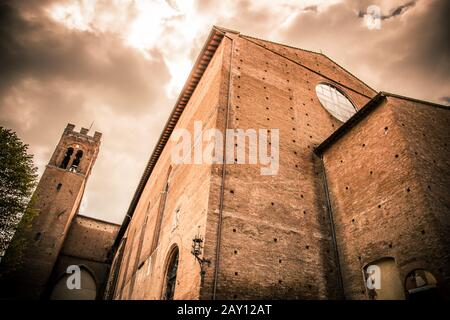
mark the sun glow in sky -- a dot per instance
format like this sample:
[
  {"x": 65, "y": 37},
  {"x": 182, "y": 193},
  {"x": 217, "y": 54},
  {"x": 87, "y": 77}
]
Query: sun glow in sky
[
  {"x": 142, "y": 24},
  {"x": 145, "y": 24}
]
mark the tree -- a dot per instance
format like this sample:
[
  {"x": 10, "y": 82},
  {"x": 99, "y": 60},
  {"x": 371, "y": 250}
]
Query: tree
[{"x": 17, "y": 181}]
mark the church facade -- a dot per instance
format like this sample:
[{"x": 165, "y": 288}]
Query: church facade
[
  {"x": 278, "y": 175},
  {"x": 357, "y": 207}
]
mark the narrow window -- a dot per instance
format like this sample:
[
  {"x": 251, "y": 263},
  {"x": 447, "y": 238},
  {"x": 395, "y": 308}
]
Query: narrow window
[
  {"x": 162, "y": 206},
  {"x": 37, "y": 236},
  {"x": 112, "y": 284},
  {"x": 171, "y": 275},
  {"x": 137, "y": 264},
  {"x": 58, "y": 187},
  {"x": 66, "y": 159}
]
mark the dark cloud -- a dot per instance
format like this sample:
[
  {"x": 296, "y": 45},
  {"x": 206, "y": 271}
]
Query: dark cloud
[
  {"x": 52, "y": 75},
  {"x": 42, "y": 49},
  {"x": 400, "y": 10},
  {"x": 446, "y": 100},
  {"x": 396, "y": 11},
  {"x": 310, "y": 8},
  {"x": 408, "y": 55}
]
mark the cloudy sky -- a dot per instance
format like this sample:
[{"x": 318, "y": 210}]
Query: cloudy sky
[{"x": 121, "y": 65}]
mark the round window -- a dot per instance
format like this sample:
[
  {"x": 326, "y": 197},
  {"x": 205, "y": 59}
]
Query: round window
[{"x": 335, "y": 102}]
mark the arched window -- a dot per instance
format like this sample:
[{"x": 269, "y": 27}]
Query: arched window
[
  {"x": 171, "y": 275},
  {"x": 159, "y": 218},
  {"x": 335, "y": 102},
  {"x": 88, "y": 290},
  {"x": 66, "y": 159},
  {"x": 421, "y": 284},
  {"x": 76, "y": 161},
  {"x": 382, "y": 280}
]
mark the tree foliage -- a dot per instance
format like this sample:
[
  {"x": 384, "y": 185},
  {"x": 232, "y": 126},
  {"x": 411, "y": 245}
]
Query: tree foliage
[{"x": 17, "y": 182}]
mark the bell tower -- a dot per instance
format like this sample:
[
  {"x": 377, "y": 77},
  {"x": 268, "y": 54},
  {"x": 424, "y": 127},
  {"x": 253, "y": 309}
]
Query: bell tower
[{"x": 56, "y": 201}]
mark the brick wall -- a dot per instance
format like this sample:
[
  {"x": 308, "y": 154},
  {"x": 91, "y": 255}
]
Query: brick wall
[
  {"x": 275, "y": 235},
  {"x": 275, "y": 240},
  {"x": 88, "y": 243},
  {"x": 388, "y": 178},
  {"x": 142, "y": 273}
]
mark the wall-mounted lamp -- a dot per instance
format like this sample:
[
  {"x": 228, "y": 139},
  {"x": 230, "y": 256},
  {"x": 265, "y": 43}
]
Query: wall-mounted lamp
[{"x": 197, "y": 249}]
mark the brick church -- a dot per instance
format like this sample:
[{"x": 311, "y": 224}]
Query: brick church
[
  {"x": 55, "y": 235},
  {"x": 358, "y": 207}
]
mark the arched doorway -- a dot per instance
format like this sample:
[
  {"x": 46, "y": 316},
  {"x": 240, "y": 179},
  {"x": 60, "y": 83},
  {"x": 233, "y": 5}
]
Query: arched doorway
[
  {"x": 421, "y": 284},
  {"x": 87, "y": 290},
  {"x": 383, "y": 280},
  {"x": 170, "y": 279}
]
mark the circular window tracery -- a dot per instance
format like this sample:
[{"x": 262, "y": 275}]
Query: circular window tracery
[{"x": 336, "y": 103}]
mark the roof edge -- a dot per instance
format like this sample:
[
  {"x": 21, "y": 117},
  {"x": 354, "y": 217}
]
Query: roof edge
[
  {"x": 361, "y": 114},
  {"x": 350, "y": 123},
  {"x": 313, "y": 52},
  {"x": 280, "y": 44},
  {"x": 82, "y": 216},
  {"x": 398, "y": 96},
  {"x": 206, "y": 53}
]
